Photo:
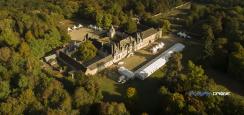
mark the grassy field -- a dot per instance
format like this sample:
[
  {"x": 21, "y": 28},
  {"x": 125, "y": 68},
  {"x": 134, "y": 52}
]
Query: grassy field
[{"x": 147, "y": 90}]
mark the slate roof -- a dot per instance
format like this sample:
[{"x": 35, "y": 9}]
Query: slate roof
[
  {"x": 100, "y": 62},
  {"x": 148, "y": 33}
]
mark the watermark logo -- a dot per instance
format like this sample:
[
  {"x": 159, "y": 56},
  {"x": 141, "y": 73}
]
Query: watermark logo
[
  {"x": 221, "y": 93},
  {"x": 207, "y": 93}
]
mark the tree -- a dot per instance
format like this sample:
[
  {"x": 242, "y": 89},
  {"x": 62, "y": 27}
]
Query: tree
[
  {"x": 178, "y": 100},
  {"x": 177, "y": 103},
  {"x": 196, "y": 77},
  {"x": 140, "y": 8},
  {"x": 46, "y": 86},
  {"x": 195, "y": 106},
  {"x": 86, "y": 51},
  {"x": 4, "y": 89},
  {"x": 216, "y": 24},
  {"x": 99, "y": 19},
  {"x": 11, "y": 106},
  {"x": 230, "y": 27},
  {"x": 24, "y": 49},
  {"x": 29, "y": 36},
  {"x": 107, "y": 20},
  {"x": 130, "y": 26},
  {"x": 23, "y": 81},
  {"x": 152, "y": 22},
  {"x": 174, "y": 64},
  {"x": 115, "y": 9},
  {"x": 113, "y": 108},
  {"x": 26, "y": 97},
  {"x": 164, "y": 91},
  {"x": 236, "y": 62},
  {"x": 9, "y": 38},
  {"x": 165, "y": 26},
  {"x": 5, "y": 54},
  {"x": 131, "y": 93},
  {"x": 87, "y": 92},
  {"x": 59, "y": 99},
  {"x": 51, "y": 111},
  {"x": 82, "y": 97},
  {"x": 116, "y": 20},
  {"x": 4, "y": 73},
  {"x": 38, "y": 47},
  {"x": 7, "y": 35},
  {"x": 208, "y": 43}
]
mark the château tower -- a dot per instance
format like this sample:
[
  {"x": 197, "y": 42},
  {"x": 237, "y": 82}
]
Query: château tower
[{"x": 112, "y": 32}]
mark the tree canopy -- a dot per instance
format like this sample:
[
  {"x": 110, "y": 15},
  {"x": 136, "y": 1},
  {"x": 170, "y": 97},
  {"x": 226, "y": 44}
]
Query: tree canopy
[{"x": 86, "y": 51}]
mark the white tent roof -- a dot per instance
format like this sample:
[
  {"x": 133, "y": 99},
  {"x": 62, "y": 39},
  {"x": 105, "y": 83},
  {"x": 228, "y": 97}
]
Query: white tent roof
[
  {"x": 152, "y": 66},
  {"x": 69, "y": 29},
  {"x": 127, "y": 73},
  {"x": 147, "y": 71}
]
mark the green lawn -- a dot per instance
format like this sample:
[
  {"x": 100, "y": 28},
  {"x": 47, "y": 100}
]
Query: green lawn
[
  {"x": 148, "y": 96},
  {"x": 148, "y": 93}
]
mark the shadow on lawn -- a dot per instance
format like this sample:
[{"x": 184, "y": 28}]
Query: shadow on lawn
[{"x": 148, "y": 98}]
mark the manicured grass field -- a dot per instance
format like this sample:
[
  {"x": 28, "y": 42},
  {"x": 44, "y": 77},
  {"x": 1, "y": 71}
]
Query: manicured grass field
[{"x": 147, "y": 91}]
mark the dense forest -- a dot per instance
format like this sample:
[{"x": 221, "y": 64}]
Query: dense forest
[
  {"x": 221, "y": 30},
  {"x": 31, "y": 28}
]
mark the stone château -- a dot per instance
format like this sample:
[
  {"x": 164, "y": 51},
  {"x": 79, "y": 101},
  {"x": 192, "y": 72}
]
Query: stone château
[{"x": 112, "y": 47}]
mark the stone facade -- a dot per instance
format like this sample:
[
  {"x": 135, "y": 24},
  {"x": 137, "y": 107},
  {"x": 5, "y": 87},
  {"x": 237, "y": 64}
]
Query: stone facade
[{"x": 133, "y": 43}]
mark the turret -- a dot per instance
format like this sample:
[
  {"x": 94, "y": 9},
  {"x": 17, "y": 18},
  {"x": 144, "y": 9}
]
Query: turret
[{"x": 112, "y": 32}]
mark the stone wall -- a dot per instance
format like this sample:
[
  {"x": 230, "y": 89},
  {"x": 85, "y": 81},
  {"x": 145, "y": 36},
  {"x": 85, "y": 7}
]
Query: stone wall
[{"x": 99, "y": 65}]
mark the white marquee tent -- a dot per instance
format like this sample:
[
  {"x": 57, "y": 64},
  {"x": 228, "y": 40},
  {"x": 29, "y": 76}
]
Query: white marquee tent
[
  {"x": 183, "y": 35},
  {"x": 157, "y": 47},
  {"x": 152, "y": 66},
  {"x": 127, "y": 73}
]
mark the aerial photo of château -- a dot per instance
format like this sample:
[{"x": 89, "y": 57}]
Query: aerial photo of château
[{"x": 113, "y": 46}]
